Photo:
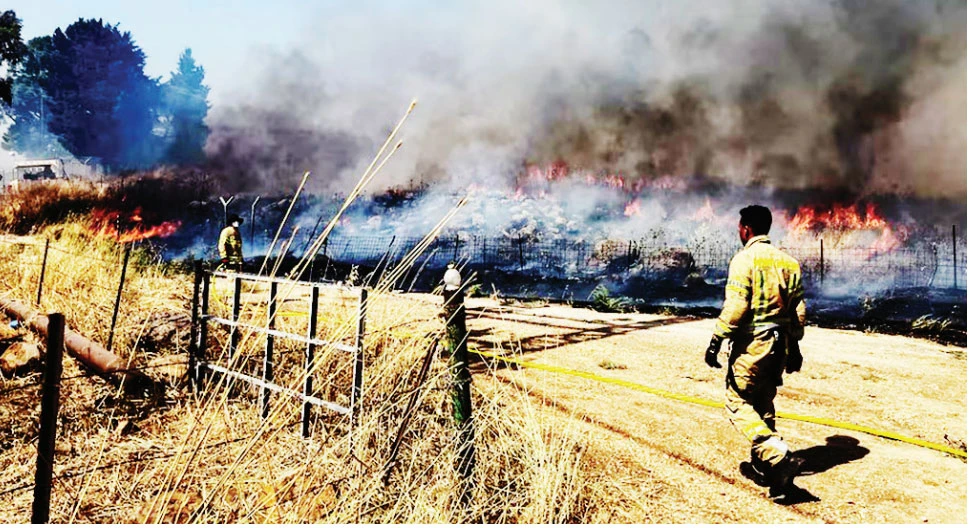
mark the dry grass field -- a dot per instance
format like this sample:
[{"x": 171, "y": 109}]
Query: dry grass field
[{"x": 550, "y": 447}]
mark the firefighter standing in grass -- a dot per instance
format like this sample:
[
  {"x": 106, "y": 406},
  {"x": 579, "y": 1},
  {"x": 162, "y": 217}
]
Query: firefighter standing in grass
[
  {"x": 231, "y": 244},
  {"x": 763, "y": 317}
]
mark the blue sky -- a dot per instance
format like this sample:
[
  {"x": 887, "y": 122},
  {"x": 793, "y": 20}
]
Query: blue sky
[{"x": 221, "y": 33}]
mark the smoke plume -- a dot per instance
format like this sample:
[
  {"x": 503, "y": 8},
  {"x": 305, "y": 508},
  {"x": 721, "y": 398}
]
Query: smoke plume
[{"x": 861, "y": 97}]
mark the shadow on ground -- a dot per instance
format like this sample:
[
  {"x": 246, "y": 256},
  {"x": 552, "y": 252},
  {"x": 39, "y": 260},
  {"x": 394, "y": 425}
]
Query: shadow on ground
[{"x": 838, "y": 450}]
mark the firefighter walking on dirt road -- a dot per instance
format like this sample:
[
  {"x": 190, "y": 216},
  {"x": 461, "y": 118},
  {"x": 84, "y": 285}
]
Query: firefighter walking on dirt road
[
  {"x": 231, "y": 244},
  {"x": 763, "y": 317}
]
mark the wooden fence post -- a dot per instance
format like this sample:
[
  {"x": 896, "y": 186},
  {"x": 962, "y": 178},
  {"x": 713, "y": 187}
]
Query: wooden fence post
[
  {"x": 203, "y": 329},
  {"x": 456, "y": 336},
  {"x": 309, "y": 363},
  {"x": 954, "y": 261},
  {"x": 252, "y": 221},
  {"x": 50, "y": 404},
  {"x": 194, "y": 323},
  {"x": 235, "y": 332},
  {"x": 268, "y": 352},
  {"x": 359, "y": 359},
  {"x": 821, "y": 263},
  {"x": 40, "y": 283},
  {"x": 519, "y": 241},
  {"x": 327, "y": 262},
  {"x": 121, "y": 285}
]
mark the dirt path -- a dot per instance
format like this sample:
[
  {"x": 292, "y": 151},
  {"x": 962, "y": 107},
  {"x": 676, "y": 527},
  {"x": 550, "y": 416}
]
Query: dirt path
[{"x": 670, "y": 461}]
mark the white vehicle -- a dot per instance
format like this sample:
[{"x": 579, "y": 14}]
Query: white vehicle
[{"x": 47, "y": 169}]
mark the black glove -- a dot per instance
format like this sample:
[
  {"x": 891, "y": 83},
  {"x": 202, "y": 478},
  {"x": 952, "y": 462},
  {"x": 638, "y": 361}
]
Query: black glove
[
  {"x": 712, "y": 353},
  {"x": 794, "y": 359}
]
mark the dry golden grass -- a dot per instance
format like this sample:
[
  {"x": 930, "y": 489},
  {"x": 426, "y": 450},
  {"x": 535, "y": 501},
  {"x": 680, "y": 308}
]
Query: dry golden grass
[{"x": 207, "y": 457}]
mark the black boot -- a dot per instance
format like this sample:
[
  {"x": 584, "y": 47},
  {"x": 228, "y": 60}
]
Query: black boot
[
  {"x": 756, "y": 470},
  {"x": 781, "y": 475}
]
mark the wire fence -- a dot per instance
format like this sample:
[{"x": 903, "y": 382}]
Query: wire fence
[
  {"x": 80, "y": 471},
  {"x": 931, "y": 265},
  {"x": 46, "y": 271},
  {"x": 36, "y": 386}
]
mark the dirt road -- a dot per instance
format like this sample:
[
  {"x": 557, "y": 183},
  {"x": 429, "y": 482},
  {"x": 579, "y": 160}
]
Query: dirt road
[{"x": 671, "y": 461}]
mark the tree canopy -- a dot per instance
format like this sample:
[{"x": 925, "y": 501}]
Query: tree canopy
[
  {"x": 29, "y": 132},
  {"x": 12, "y": 49},
  {"x": 102, "y": 104},
  {"x": 185, "y": 102},
  {"x": 84, "y": 89}
]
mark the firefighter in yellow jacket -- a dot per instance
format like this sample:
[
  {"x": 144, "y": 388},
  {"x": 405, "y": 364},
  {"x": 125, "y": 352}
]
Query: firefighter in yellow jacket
[
  {"x": 763, "y": 317},
  {"x": 231, "y": 244}
]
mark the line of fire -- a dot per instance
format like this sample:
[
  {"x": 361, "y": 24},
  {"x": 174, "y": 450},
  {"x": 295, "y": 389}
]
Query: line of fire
[{"x": 655, "y": 241}]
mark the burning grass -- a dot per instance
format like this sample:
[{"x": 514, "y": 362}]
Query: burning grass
[
  {"x": 130, "y": 209},
  {"x": 208, "y": 457}
]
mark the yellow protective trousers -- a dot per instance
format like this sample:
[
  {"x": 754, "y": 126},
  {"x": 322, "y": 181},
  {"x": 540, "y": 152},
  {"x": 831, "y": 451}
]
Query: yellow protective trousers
[{"x": 755, "y": 370}]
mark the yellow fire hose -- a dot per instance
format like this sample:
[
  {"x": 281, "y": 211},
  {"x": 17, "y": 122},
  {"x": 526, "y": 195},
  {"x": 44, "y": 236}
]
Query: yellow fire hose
[
  {"x": 709, "y": 403},
  {"x": 292, "y": 314}
]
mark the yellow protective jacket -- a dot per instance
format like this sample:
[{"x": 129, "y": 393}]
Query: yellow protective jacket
[
  {"x": 231, "y": 244},
  {"x": 764, "y": 291}
]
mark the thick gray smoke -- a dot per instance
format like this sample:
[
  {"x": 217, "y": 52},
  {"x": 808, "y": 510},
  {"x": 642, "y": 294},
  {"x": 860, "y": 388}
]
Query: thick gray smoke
[{"x": 867, "y": 97}]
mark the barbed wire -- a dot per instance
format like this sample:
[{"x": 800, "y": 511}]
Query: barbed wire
[
  {"x": 90, "y": 374},
  {"x": 89, "y": 283},
  {"x": 88, "y": 257},
  {"x": 17, "y": 242},
  {"x": 12, "y": 390},
  {"x": 59, "y": 249}
]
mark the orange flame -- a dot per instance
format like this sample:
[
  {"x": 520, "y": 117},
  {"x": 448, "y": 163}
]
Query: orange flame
[
  {"x": 839, "y": 220},
  {"x": 633, "y": 208},
  {"x": 555, "y": 171},
  {"x": 614, "y": 180},
  {"x": 838, "y": 217},
  {"x": 109, "y": 222},
  {"x": 141, "y": 233},
  {"x": 537, "y": 175}
]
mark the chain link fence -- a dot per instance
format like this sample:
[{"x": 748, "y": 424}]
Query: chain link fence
[{"x": 931, "y": 265}]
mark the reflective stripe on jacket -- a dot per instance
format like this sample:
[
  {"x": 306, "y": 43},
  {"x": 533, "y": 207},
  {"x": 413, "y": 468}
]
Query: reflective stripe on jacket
[{"x": 764, "y": 290}]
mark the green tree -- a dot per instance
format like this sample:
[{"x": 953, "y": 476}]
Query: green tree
[
  {"x": 12, "y": 49},
  {"x": 101, "y": 102},
  {"x": 30, "y": 109},
  {"x": 185, "y": 105}
]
